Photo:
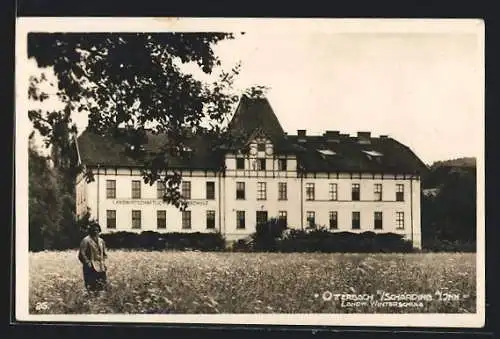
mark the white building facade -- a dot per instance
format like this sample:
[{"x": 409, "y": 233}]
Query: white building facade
[{"x": 342, "y": 183}]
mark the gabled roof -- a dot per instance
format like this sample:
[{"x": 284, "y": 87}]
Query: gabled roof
[
  {"x": 108, "y": 151},
  {"x": 255, "y": 116},
  {"x": 375, "y": 155},
  {"x": 253, "y": 113}
]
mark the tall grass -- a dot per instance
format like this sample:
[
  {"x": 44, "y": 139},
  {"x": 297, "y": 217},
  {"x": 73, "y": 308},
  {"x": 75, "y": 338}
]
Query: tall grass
[{"x": 217, "y": 282}]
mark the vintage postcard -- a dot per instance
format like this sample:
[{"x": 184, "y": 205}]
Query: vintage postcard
[{"x": 250, "y": 171}]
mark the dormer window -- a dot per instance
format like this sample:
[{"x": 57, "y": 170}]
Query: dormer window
[
  {"x": 373, "y": 153},
  {"x": 326, "y": 152}
]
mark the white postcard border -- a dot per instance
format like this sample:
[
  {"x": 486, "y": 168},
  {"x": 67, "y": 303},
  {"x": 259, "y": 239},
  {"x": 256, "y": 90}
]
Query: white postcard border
[{"x": 22, "y": 124}]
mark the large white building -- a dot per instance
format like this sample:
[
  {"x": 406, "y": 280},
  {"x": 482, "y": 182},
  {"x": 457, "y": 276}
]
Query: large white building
[{"x": 345, "y": 183}]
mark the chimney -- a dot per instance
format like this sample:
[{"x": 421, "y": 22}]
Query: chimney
[
  {"x": 301, "y": 133},
  {"x": 331, "y": 136},
  {"x": 364, "y": 137}
]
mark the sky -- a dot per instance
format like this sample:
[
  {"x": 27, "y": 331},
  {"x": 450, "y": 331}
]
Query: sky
[{"x": 423, "y": 87}]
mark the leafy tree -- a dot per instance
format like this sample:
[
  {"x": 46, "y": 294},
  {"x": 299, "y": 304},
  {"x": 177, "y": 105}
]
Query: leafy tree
[
  {"x": 255, "y": 92},
  {"x": 44, "y": 203},
  {"x": 130, "y": 82},
  {"x": 457, "y": 206},
  {"x": 451, "y": 214}
]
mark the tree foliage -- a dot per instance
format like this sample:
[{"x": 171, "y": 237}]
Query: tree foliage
[
  {"x": 44, "y": 203},
  {"x": 52, "y": 220},
  {"x": 451, "y": 214},
  {"x": 131, "y": 82}
]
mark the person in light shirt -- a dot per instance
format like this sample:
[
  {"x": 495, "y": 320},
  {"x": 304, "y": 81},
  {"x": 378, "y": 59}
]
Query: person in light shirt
[{"x": 92, "y": 255}]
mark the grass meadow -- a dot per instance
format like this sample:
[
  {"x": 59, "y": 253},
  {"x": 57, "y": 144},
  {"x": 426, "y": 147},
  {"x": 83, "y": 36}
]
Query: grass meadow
[{"x": 221, "y": 282}]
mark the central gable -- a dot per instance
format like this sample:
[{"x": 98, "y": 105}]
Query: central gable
[
  {"x": 255, "y": 114},
  {"x": 260, "y": 144},
  {"x": 254, "y": 118}
]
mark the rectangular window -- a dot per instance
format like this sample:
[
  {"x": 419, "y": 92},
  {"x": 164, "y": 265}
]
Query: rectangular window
[
  {"x": 261, "y": 217},
  {"x": 210, "y": 219},
  {"x": 136, "y": 219},
  {"x": 111, "y": 219},
  {"x": 282, "y": 215},
  {"x": 333, "y": 192},
  {"x": 240, "y": 219},
  {"x": 186, "y": 219},
  {"x": 355, "y": 192},
  {"x": 281, "y": 164},
  {"x": 356, "y": 221},
  {"x": 377, "y": 220},
  {"x": 309, "y": 191},
  {"x": 261, "y": 147},
  {"x": 377, "y": 190},
  {"x": 311, "y": 218},
  {"x": 240, "y": 163},
  {"x": 261, "y": 191},
  {"x": 111, "y": 189},
  {"x": 186, "y": 189},
  {"x": 333, "y": 220},
  {"x": 240, "y": 190},
  {"x": 210, "y": 190},
  {"x": 261, "y": 164},
  {"x": 400, "y": 192},
  {"x": 136, "y": 189},
  {"x": 400, "y": 220},
  {"x": 282, "y": 191},
  {"x": 161, "y": 219},
  {"x": 160, "y": 190}
]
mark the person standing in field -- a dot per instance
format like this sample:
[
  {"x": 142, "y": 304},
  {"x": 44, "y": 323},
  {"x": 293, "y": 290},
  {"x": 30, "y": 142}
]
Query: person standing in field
[{"x": 92, "y": 255}]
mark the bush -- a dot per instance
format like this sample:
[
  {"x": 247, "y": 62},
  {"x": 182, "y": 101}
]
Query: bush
[
  {"x": 444, "y": 245},
  {"x": 267, "y": 234},
  {"x": 150, "y": 240},
  {"x": 242, "y": 245},
  {"x": 322, "y": 240},
  {"x": 274, "y": 236}
]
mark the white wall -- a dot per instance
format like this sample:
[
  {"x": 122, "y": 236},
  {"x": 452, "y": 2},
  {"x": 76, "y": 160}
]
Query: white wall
[
  {"x": 80, "y": 195},
  {"x": 149, "y": 204},
  {"x": 251, "y": 176},
  {"x": 417, "y": 214},
  {"x": 250, "y": 205}
]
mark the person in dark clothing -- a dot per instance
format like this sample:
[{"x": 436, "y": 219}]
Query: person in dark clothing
[{"x": 92, "y": 255}]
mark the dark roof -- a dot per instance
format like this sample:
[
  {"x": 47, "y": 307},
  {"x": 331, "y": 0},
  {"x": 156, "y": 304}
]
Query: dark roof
[
  {"x": 254, "y": 116},
  {"x": 255, "y": 113},
  {"x": 352, "y": 156},
  {"x": 108, "y": 151}
]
